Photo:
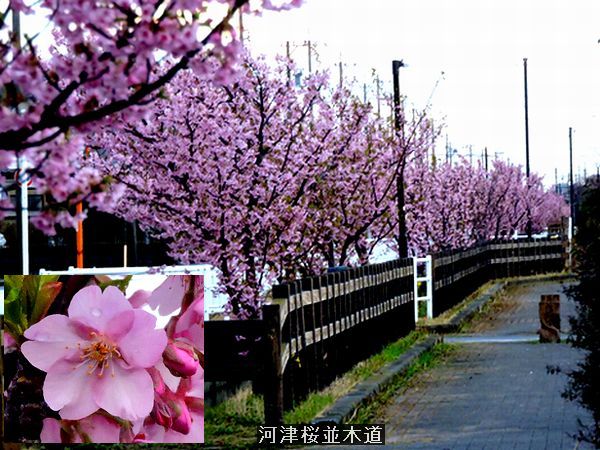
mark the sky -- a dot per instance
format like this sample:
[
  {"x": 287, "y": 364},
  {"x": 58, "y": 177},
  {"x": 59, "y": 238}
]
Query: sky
[
  {"x": 479, "y": 45},
  {"x": 464, "y": 58}
]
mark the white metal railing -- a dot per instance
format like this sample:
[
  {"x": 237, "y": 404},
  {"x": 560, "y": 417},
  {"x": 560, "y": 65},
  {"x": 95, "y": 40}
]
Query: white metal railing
[
  {"x": 213, "y": 300},
  {"x": 420, "y": 277}
]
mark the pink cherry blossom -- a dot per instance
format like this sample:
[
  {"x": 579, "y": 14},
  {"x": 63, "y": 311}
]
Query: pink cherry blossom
[
  {"x": 96, "y": 357},
  {"x": 9, "y": 343},
  {"x": 96, "y": 428},
  {"x": 180, "y": 417},
  {"x": 169, "y": 295},
  {"x": 181, "y": 359}
]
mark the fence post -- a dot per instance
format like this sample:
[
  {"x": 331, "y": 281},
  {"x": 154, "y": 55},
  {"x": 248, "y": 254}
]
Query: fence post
[{"x": 273, "y": 371}]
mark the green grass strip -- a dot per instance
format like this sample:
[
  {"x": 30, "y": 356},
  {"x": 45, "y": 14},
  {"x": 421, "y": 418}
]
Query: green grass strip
[{"x": 372, "y": 412}]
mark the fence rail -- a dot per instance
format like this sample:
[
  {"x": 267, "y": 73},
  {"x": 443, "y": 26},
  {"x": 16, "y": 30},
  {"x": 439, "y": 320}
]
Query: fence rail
[{"x": 317, "y": 328}]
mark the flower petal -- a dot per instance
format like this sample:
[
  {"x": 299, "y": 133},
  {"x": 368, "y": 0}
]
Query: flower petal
[
  {"x": 100, "y": 429},
  {"x": 68, "y": 388},
  {"x": 143, "y": 345},
  {"x": 50, "y": 431},
  {"x": 44, "y": 355},
  {"x": 169, "y": 295},
  {"x": 52, "y": 338},
  {"x": 128, "y": 395},
  {"x": 95, "y": 308},
  {"x": 139, "y": 298},
  {"x": 120, "y": 325}
]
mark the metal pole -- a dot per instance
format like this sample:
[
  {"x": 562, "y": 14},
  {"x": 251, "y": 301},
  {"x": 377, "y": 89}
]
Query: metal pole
[
  {"x": 486, "y": 159},
  {"x": 378, "y": 99},
  {"x": 241, "y": 26},
  {"x": 402, "y": 234},
  {"x": 341, "y": 73},
  {"x": 289, "y": 61},
  {"x": 395, "y": 72},
  {"x": 21, "y": 201},
  {"x": 79, "y": 240},
  {"x": 24, "y": 218},
  {"x": 529, "y": 224},
  {"x": 309, "y": 57},
  {"x": 571, "y": 189}
]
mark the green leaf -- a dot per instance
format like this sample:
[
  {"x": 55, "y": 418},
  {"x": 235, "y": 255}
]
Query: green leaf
[
  {"x": 104, "y": 281},
  {"x": 12, "y": 287},
  {"x": 45, "y": 297},
  {"x": 14, "y": 318}
]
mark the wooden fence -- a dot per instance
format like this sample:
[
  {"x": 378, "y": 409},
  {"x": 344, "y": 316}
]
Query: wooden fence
[
  {"x": 319, "y": 327},
  {"x": 458, "y": 273},
  {"x": 314, "y": 330}
]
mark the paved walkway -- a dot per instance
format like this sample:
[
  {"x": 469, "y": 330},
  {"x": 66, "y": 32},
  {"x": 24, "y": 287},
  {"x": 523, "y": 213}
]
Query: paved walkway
[{"x": 493, "y": 395}]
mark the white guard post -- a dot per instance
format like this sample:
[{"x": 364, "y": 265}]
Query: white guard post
[
  {"x": 426, "y": 278},
  {"x": 570, "y": 237}
]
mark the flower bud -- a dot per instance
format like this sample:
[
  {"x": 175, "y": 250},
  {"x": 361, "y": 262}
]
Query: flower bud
[
  {"x": 161, "y": 412},
  {"x": 182, "y": 419},
  {"x": 171, "y": 411},
  {"x": 181, "y": 359}
]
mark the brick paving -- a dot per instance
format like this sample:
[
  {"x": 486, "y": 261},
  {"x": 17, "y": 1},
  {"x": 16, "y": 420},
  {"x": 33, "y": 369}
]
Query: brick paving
[{"x": 493, "y": 396}]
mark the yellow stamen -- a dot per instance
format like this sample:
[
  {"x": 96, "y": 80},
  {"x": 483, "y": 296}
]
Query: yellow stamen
[{"x": 98, "y": 354}]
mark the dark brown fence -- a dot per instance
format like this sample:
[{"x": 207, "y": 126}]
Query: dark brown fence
[
  {"x": 314, "y": 330},
  {"x": 317, "y": 328},
  {"x": 458, "y": 273}
]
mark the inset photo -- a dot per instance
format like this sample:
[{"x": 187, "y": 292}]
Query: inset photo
[{"x": 99, "y": 359}]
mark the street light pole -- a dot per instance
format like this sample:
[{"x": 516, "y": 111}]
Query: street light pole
[
  {"x": 395, "y": 73},
  {"x": 529, "y": 225},
  {"x": 402, "y": 237},
  {"x": 571, "y": 199},
  {"x": 571, "y": 189},
  {"x": 21, "y": 199}
]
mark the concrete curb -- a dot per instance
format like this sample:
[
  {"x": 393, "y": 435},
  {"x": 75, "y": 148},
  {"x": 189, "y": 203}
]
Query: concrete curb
[{"x": 344, "y": 408}]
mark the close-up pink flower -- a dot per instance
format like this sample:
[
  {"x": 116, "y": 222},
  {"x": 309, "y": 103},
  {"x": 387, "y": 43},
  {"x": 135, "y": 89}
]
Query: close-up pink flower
[
  {"x": 96, "y": 357},
  {"x": 95, "y": 428}
]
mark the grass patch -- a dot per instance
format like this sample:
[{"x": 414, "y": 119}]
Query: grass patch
[
  {"x": 371, "y": 412},
  {"x": 232, "y": 424},
  {"x": 492, "y": 308},
  {"x": 448, "y": 314}
]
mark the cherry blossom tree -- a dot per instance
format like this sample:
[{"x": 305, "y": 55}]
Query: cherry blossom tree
[
  {"x": 454, "y": 206},
  {"x": 236, "y": 165},
  {"x": 267, "y": 182},
  {"x": 106, "y": 61}
]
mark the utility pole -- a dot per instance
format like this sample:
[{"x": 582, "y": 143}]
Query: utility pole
[
  {"x": 556, "y": 180},
  {"x": 241, "y": 26},
  {"x": 340, "y": 65},
  {"x": 486, "y": 159},
  {"x": 571, "y": 198},
  {"x": 402, "y": 234},
  {"x": 309, "y": 56},
  {"x": 571, "y": 189},
  {"x": 529, "y": 224},
  {"x": 378, "y": 98},
  {"x": 289, "y": 61},
  {"x": 395, "y": 73},
  {"x": 365, "y": 93},
  {"x": 21, "y": 200}
]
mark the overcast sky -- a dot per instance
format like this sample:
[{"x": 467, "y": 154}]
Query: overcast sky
[{"x": 480, "y": 46}]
